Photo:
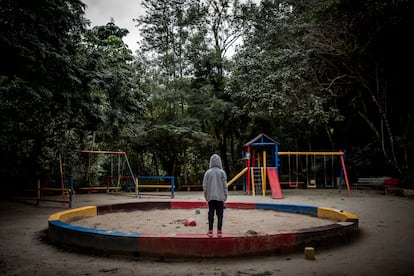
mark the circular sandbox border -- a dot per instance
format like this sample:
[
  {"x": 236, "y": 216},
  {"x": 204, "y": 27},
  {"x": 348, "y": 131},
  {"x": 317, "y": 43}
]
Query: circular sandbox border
[{"x": 344, "y": 225}]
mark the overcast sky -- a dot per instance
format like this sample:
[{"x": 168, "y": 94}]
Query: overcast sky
[{"x": 100, "y": 12}]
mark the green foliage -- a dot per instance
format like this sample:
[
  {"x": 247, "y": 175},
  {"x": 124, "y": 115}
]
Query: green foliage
[
  {"x": 325, "y": 67},
  {"x": 113, "y": 87},
  {"x": 359, "y": 56},
  {"x": 57, "y": 86},
  {"x": 272, "y": 77},
  {"x": 41, "y": 92},
  {"x": 311, "y": 74}
]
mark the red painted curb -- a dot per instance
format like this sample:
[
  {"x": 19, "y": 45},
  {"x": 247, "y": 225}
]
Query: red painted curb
[{"x": 194, "y": 245}]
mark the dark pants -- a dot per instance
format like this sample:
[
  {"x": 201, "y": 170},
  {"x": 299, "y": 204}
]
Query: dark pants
[{"x": 217, "y": 207}]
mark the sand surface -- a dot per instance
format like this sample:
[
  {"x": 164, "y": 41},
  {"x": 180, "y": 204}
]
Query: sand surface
[
  {"x": 173, "y": 221},
  {"x": 384, "y": 245}
]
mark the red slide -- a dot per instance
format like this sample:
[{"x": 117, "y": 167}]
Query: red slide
[{"x": 274, "y": 183}]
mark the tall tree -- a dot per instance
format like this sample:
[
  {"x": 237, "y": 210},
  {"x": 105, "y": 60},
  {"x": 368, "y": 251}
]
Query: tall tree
[
  {"x": 116, "y": 97},
  {"x": 272, "y": 82},
  {"x": 113, "y": 84},
  {"x": 42, "y": 96},
  {"x": 167, "y": 30},
  {"x": 189, "y": 40},
  {"x": 223, "y": 27},
  {"x": 331, "y": 67},
  {"x": 361, "y": 55}
]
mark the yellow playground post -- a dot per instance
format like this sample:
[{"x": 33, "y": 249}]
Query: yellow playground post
[{"x": 237, "y": 177}]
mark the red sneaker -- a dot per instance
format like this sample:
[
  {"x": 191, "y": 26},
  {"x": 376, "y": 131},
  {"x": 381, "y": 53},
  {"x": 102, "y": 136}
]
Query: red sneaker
[
  {"x": 210, "y": 233},
  {"x": 219, "y": 234}
]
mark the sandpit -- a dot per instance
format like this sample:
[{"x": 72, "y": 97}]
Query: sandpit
[{"x": 169, "y": 221}]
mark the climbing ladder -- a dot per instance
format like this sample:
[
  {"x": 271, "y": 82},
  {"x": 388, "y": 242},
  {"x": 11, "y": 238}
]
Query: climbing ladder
[{"x": 257, "y": 180}]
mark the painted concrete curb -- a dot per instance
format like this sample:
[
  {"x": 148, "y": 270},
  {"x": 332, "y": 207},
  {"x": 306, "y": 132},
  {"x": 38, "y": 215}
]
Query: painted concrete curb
[{"x": 344, "y": 225}]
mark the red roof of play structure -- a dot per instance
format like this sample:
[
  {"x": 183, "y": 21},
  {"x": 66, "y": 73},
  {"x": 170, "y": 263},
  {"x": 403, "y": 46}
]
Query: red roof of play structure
[{"x": 259, "y": 137}]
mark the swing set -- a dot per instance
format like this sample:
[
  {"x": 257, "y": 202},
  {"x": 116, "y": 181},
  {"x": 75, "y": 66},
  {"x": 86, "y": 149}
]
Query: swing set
[
  {"x": 113, "y": 183},
  {"x": 305, "y": 169},
  {"x": 121, "y": 183}
]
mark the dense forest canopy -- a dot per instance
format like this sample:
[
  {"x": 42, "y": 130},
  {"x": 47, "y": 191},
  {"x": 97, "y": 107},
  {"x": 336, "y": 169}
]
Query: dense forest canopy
[{"x": 313, "y": 75}]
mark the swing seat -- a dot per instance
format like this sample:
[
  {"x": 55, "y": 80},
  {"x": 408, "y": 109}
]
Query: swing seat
[
  {"x": 312, "y": 184},
  {"x": 294, "y": 184}
]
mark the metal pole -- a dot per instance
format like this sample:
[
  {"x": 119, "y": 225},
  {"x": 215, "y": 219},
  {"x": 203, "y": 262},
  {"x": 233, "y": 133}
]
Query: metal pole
[
  {"x": 132, "y": 174},
  {"x": 70, "y": 191}
]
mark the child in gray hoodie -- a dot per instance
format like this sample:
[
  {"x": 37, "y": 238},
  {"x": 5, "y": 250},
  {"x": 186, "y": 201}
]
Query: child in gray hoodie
[{"x": 215, "y": 192}]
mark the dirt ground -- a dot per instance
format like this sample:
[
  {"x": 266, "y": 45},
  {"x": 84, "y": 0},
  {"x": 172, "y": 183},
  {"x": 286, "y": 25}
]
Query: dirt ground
[{"x": 384, "y": 245}]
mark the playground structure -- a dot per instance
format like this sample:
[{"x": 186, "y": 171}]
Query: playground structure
[
  {"x": 45, "y": 192},
  {"x": 121, "y": 183},
  {"x": 108, "y": 187},
  {"x": 161, "y": 182},
  {"x": 311, "y": 168},
  {"x": 51, "y": 188},
  {"x": 262, "y": 170},
  {"x": 261, "y": 157},
  {"x": 262, "y": 166}
]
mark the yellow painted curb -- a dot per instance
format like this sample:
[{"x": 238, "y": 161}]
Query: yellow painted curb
[
  {"x": 78, "y": 213},
  {"x": 335, "y": 214}
]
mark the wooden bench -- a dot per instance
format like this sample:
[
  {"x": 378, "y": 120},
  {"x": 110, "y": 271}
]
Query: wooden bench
[
  {"x": 386, "y": 183},
  {"x": 157, "y": 188}
]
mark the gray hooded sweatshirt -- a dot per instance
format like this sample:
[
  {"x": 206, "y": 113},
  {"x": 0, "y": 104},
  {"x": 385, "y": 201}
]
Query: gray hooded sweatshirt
[{"x": 215, "y": 181}]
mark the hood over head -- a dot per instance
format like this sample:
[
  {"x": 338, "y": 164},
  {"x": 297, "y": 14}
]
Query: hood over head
[{"x": 215, "y": 161}]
